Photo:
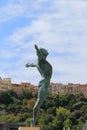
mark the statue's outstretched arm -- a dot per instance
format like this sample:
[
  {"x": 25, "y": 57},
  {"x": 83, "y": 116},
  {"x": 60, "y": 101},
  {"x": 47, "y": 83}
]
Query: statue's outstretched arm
[{"x": 31, "y": 65}]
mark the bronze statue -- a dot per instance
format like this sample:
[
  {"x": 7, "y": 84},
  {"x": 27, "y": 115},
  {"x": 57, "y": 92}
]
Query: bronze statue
[{"x": 45, "y": 70}]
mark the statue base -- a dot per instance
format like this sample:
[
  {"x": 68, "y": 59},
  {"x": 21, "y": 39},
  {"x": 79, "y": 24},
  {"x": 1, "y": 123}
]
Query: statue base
[{"x": 29, "y": 128}]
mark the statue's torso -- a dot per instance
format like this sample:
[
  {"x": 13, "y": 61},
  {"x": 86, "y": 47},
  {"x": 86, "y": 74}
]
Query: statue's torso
[{"x": 45, "y": 69}]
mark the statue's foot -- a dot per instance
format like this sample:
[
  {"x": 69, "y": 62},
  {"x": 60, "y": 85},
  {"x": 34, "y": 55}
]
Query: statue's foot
[{"x": 32, "y": 122}]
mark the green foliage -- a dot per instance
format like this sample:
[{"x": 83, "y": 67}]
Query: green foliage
[
  {"x": 9, "y": 118},
  {"x": 58, "y": 124},
  {"x": 67, "y": 123},
  {"x": 63, "y": 113},
  {"x": 46, "y": 119},
  {"x": 26, "y": 94},
  {"x": 80, "y": 125},
  {"x": 5, "y": 98},
  {"x": 27, "y": 121},
  {"x": 52, "y": 111},
  {"x": 12, "y": 93},
  {"x": 57, "y": 111}
]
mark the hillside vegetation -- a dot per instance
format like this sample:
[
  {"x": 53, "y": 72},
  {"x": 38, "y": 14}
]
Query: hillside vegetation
[{"x": 57, "y": 111}]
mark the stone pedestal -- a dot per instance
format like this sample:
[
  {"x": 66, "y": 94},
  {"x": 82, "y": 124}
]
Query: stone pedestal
[{"x": 29, "y": 128}]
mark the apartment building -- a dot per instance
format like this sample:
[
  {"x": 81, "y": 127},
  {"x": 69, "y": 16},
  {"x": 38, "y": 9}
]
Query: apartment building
[
  {"x": 72, "y": 88},
  {"x": 55, "y": 88},
  {"x": 83, "y": 89},
  {"x": 5, "y": 84},
  {"x": 18, "y": 88},
  {"x": 59, "y": 88}
]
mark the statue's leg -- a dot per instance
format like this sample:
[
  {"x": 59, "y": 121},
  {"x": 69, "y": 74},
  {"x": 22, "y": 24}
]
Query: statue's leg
[
  {"x": 41, "y": 95},
  {"x": 36, "y": 112},
  {"x": 36, "y": 109}
]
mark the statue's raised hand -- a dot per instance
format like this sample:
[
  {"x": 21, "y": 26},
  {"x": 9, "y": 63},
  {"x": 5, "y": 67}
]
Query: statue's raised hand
[
  {"x": 36, "y": 47},
  {"x": 31, "y": 65},
  {"x": 28, "y": 65}
]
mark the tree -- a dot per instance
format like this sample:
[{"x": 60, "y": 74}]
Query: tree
[
  {"x": 26, "y": 94},
  {"x": 58, "y": 124},
  {"x": 5, "y": 98},
  {"x": 80, "y": 125},
  {"x": 62, "y": 113},
  {"x": 31, "y": 102},
  {"x": 12, "y": 93},
  {"x": 27, "y": 121},
  {"x": 67, "y": 123},
  {"x": 52, "y": 110}
]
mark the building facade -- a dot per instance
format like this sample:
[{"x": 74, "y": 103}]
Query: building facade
[
  {"x": 55, "y": 88},
  {"x": 83, "y": 89},
  {"x": 5, "y": 84},
  {"x": 18, "y": 88},
  {"x": 59, "y": 88}
]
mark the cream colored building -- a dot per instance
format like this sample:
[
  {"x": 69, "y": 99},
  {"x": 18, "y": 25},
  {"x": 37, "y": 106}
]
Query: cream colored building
[
  {"x": 59, "y": 88},
  {"x": 5, "y": 84}
]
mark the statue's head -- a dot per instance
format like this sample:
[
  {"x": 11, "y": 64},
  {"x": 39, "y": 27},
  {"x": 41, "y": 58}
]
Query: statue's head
[{"x": 44, "y": 52}]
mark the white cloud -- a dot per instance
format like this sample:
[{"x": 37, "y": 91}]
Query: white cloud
[
  {"x": 19, "y": 8},
  {"x": 60, "y": 27},
  {"x": 10, "y": 11}
]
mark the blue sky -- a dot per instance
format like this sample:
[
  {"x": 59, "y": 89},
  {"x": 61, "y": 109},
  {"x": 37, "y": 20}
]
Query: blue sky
[{"x": 60, "y": 26}]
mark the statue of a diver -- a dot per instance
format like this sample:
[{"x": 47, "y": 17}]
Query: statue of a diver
[{"x": 45, "y": 70}]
